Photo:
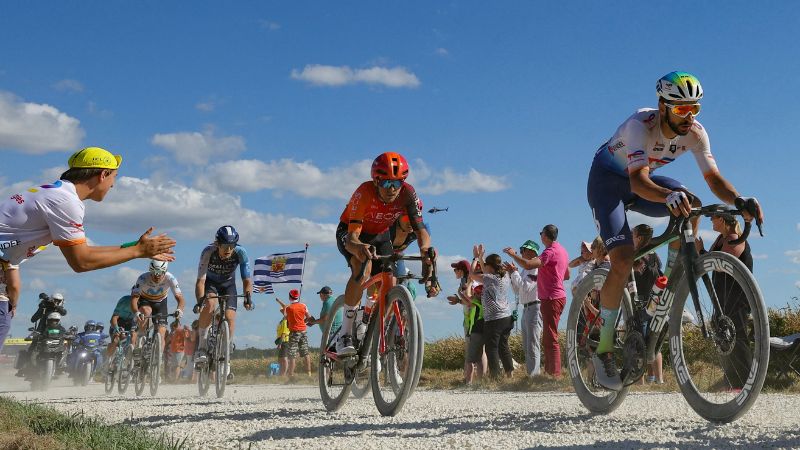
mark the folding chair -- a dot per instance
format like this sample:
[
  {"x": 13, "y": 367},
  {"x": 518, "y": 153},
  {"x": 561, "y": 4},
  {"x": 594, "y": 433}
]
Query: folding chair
[{"x": 788, "y": 347}]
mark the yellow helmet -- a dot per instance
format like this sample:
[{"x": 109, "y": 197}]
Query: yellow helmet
[{"x": 94, "y": 158}]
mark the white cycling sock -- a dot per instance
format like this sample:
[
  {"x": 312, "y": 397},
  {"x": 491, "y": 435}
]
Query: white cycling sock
[
  {"x": 349, "y": 317},
  {"x": 203, "y": 336}
]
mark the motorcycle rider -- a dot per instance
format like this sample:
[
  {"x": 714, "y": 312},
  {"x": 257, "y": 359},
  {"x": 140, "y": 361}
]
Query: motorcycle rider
[{"x": 42, "y": 317}]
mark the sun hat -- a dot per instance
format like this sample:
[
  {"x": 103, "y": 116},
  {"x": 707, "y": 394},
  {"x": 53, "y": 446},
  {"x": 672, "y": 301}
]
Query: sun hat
[{"x": 94, "y": 158}]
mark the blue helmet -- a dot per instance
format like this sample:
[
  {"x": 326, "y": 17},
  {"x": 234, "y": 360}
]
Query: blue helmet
[
  {"x": 227, "y": 235},
  {"x": 90, "y": 326}
]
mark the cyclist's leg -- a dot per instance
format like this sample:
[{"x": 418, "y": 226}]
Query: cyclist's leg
[
  {"x": 147, "y": 310},
  {"x": 229, "y": 289},
  {"x": 352, "y": 293},
  {"x": 206, "y": 314}
]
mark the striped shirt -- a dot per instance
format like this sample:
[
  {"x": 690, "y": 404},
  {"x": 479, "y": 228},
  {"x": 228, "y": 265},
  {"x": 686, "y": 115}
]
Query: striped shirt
[{"x": 495, "y": 297}]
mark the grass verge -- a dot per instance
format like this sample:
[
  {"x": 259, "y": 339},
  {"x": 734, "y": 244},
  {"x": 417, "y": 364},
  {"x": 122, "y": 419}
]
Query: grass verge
[{"x": 30, "y": 426}]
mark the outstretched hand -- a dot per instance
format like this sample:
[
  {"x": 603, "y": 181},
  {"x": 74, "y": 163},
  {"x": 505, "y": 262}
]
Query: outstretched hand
[
  {"x": 509, "y": 251},
  {"x": 510, "y": 268},
  {"x": 159, "y": 247}
]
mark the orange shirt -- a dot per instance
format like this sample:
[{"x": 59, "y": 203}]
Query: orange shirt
[
  {"x": 367, "y": 213},
  {"x": 296, "y": 316},
  {"x": 176, "y": 342}
]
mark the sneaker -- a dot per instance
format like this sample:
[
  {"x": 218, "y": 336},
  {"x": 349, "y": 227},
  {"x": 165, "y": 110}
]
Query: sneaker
[
  {"x": 605, "y": 369},
  {"x": 201, "y": 358},
  {"x": 344, "y": 346}
]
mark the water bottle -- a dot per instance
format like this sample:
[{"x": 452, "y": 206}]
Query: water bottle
[{"x": 655, "y": 295}]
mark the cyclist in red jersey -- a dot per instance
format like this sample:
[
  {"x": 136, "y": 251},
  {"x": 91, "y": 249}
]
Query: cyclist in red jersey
[{"x": 365, "y": 223}]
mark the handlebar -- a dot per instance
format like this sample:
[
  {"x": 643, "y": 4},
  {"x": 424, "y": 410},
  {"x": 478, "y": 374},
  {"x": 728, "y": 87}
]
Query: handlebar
[{"x": 423, "y": 279}]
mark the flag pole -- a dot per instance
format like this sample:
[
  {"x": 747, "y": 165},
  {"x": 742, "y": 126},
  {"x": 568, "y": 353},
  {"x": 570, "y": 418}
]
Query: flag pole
[{"x": 303, "y": 271}]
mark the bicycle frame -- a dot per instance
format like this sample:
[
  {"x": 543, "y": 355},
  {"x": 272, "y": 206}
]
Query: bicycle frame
[{"x": 385, "y": 281}]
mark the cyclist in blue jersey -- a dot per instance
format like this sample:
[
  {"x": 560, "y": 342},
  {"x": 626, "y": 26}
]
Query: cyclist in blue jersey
[
  {"x": 622, "y": 175},
  {"x": 216, "y": 275},
  {"x": 121, "y": 319}
]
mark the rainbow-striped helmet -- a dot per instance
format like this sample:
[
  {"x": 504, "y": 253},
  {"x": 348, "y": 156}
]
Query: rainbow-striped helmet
[{"x": 679, "y": 86}]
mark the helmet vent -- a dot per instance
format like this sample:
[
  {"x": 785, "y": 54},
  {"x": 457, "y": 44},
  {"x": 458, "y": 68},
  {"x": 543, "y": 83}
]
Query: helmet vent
[
  {"x": 691, "y": 88},
  {"x": 683, "y": 94}
]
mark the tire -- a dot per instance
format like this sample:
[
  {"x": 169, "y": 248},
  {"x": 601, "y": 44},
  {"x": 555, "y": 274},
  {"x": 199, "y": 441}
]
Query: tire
[
  {"x": 85, "y": 373},
  {"x": 721, "y": 378},
  {"x": 155, "y": 364},
  {"x": 361, "y": 383},
  {"x": 125, "y": 369},
  {"x": 204, "y": 373},
  {"x": 393, "y": 385},
  {"x": 420, "y": 352},
  {"x": 48, "y": 368},
  {"x": 332, "y": 387},
  {"x": 223, "y": 358},
  {"x": 140, "y": 371},
  {"x": 111, "y": 372},
  {"x": 580, "y": 346}
]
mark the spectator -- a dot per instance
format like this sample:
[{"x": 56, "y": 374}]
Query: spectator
[
  {"x": 325, "y": 295},
  {"x": 582, "y": 263},
  {"x": 7, "y": 307},
  {"x": 296, "y": 316},
  {"x": 553, "y": 267},
  {"x": 734, "y": 301},
  {"x": 645, "y": 272},
  {"x": 476, "y": 355},
  {"x": 282, "y": 342},
  {"x": 177, "y": 347},
  {"x": 189, "y": 345},
  {"x": 463, "y": 297},
  {"x": 524, "y": 285},
  {"x": 497, "y": 320}
]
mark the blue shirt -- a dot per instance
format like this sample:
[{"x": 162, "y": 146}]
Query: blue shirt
[
  {"x": 123, "y": 308},
  {"x": 221, "y": 270},
  {"x": 326, "y": 306}
]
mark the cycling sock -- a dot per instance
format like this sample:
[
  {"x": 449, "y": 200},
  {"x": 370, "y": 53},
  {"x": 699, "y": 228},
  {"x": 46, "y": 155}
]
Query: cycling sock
[
  {"x": 609, "y": 318},
  {"x": 672, "y": 255},
  {"x": 349, "y": 317},
  {"x": 203, "y": 336}
]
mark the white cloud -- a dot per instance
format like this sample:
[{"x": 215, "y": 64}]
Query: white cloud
[
  {"x": 37, "y": 284},
  {"x": 441, "y": 51},
  {"x": 794, "y": 255},
  {"x": 798, "y": 227},
  {"x": 269, "y": 25},
  {"x": 198, "y": 148},
  {"x": 473, "y": 181},
  {"x": 635, "y": 218},
  {"x": 760, "y": 256},
  {"x": 205, "y": 106},
  {"x": 98, "y": 111},
  {"x": 121, "y": 279},
  {"x": 36, "y": 128},
  {"x": 321, "y": 75},
  {"x": 192, "y": 213},
  {"x": 68, "y": 85}
]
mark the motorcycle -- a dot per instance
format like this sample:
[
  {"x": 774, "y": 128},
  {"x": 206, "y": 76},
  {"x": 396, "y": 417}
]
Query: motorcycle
[
  {"x": 85, "y": 357},
  {"x": 42, "y": 355}
]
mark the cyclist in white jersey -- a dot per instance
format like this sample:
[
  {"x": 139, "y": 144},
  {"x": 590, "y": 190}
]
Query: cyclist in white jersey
[
  {"x": 621, "y": 175},
  {"x": 53, "y": 213},
  {"x": 149, "y": 297}
]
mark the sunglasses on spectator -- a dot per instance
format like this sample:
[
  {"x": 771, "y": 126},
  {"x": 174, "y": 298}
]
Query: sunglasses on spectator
[
  {"x": 386, "y": 184},
  {"x": 684, "y": 110}
]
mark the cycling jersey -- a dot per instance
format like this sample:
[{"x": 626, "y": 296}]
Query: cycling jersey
[
  {"x": 367, "y": 213},
  {"x": 638, "y": 142},
  {"x": 31, "y": 220},
  {"x": 219, "y": 270},
  {"x": 123, "y": 309},
  {"x": 147, "y": 288}
]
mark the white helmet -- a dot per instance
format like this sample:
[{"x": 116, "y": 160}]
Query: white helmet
[
  {"x": 158, "y": 267},
  {"x": 58, "y": 298},
  {"x": 54, "y": 316},
  {"x": 679, "y": 86}
]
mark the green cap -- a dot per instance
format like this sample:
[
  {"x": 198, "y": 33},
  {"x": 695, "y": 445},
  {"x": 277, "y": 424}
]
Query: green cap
[{"x": 530, "y": 245}]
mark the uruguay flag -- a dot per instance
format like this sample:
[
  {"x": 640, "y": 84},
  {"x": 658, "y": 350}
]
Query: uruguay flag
[{"x": 278, "y": 268}]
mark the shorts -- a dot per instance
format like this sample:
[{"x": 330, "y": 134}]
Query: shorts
[
  {"x": 283, "y": 349},
  {"x": 176, "y": 359},
  {"x": 382, "y": 242},
  {"x": 159, "y": 309},
  {"x": 298, "y": 342},
  {"x": 224, "y": 288},
  {"x": 609, "y": 193},
  {"x": 475, "y": 347}
]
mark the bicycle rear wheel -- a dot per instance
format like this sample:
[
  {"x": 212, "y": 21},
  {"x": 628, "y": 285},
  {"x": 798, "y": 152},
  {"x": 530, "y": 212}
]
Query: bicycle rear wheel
[
  {"x": 125, "y": 370},
  {"x": 222, "y": 355},
  {"x": 333, "y": 386},
  {"x": 583, "y": 334},
  {"x": 420, "y": 352},
  {"x": 155, "y": 364},
  {"x": 111, "y": 373},
  {"x": 392, "y": 385},
  {"x": 720, "y": 375},
  {"x": 140, "y": 368}
]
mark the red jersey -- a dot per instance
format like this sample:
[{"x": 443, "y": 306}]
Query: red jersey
[{"x": 367, "y": 213}]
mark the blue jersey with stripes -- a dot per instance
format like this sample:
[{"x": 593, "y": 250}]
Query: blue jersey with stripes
[{"x": 219, "y": 270}]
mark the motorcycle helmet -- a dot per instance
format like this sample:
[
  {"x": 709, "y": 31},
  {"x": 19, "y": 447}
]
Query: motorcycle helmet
[
  {"x": 90, "y": 326},
  {"x": 58, "y": 298},
  {"x": 53, "y": 319}
]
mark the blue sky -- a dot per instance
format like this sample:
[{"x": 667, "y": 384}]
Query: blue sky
[{"x": 266, "y": 115}]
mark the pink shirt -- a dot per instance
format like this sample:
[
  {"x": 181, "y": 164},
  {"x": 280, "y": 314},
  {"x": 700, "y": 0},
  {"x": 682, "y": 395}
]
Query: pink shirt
[{"x": 551, "y": 275}]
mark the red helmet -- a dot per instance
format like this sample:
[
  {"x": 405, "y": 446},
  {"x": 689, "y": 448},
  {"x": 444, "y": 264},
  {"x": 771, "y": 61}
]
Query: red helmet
[
  {"x": 390, "y": 166},
  {"x": 294, "y": 294}
]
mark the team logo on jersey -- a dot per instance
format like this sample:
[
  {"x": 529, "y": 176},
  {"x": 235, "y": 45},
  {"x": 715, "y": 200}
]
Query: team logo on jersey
[{"x": 278, "y": 266}]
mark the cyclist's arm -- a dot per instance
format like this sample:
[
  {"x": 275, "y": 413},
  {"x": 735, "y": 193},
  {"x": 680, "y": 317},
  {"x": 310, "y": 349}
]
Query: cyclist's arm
[
  {"x": 202, "y": 271},
  {"x": 176, "y": 291},
  {"x": 181, "y": 301},
  {"x": 200, "y": 289},
  {"x": 721, "y": 187},
  {"x": 248, "y": 286},
  {"x": 134, "y": 303},
  {"x": 82, "y": 257},
  {"x": 357, "y": 248},
  {"x": 644, "y": 187},
  {"x": 244, "y": 271},
  {"x": 423, "y": 239}
]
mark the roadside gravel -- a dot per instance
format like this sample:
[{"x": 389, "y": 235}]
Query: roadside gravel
[{"x": 259, "y": 416}]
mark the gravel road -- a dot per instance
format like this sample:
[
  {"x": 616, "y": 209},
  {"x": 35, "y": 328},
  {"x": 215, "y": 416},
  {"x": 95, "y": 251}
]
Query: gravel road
[{"x": 259, "y": 416}]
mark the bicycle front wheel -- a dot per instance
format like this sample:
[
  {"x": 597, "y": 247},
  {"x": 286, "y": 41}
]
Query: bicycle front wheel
[
  {"x": 393, "y": 369},
  {"x": 125, "y": 369},
  {"x": 111, "y": 373},
  {"x": 155, "y": 365},
  {"x": 721, "y": 374},
  {"x": 583, "y": 335},
  {"x": 333, "y": 386},
  {"x": 140, "y": 368},
  {"x": 223, "y": 358}
]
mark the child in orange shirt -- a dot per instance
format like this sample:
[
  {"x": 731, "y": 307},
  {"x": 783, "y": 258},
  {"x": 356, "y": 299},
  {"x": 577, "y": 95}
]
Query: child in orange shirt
[{"x": 296, "y": 316}]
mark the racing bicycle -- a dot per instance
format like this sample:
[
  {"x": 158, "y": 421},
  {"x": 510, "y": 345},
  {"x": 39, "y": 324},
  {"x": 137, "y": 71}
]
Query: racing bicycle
[
  {"x": 218, "y": 348},
  {"x": 120, "y": 364},
  {"x": 147, "y": 356},
  {"x": 389, "y": 351},
  {"x": 719, "y": 358}
]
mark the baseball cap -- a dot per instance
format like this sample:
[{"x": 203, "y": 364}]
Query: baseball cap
[
  {"x": 294, "y": 294},
  {"x": 325, "y": 290},
  {"x": 462, "y": 265},
  {"x": 530, "y": 245},
  {"x": 94, "y": 158}
]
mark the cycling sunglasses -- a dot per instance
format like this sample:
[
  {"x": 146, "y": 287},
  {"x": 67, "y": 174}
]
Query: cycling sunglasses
[
  {"x": 684, "y": 110},
  {"x": 227, "y": 247},
  {"x": 386, "y": 184}
]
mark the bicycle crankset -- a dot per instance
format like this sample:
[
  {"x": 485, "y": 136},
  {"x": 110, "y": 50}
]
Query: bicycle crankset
[{"x": 633, "y": 358}]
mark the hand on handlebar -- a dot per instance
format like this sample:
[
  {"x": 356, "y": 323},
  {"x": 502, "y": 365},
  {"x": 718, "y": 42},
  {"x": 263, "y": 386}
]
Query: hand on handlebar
[
  {"x": 178, "y": 314},
  {"x": 139, "y": 316},
  {"x": 751, "y": 209},
  {"x": 248, "y": 302},
  {"x": 678, "y": 203}
]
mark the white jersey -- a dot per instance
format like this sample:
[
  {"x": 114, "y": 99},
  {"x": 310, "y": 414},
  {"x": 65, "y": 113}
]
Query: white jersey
[
  {"x": 148, "y": 289},
  {"x": 31, "y": 220},
  {"x": 639, "y": 142}
]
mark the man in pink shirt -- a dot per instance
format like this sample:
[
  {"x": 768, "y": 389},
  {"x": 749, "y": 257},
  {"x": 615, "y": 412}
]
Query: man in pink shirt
[{"x": 553, "y": 265}]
